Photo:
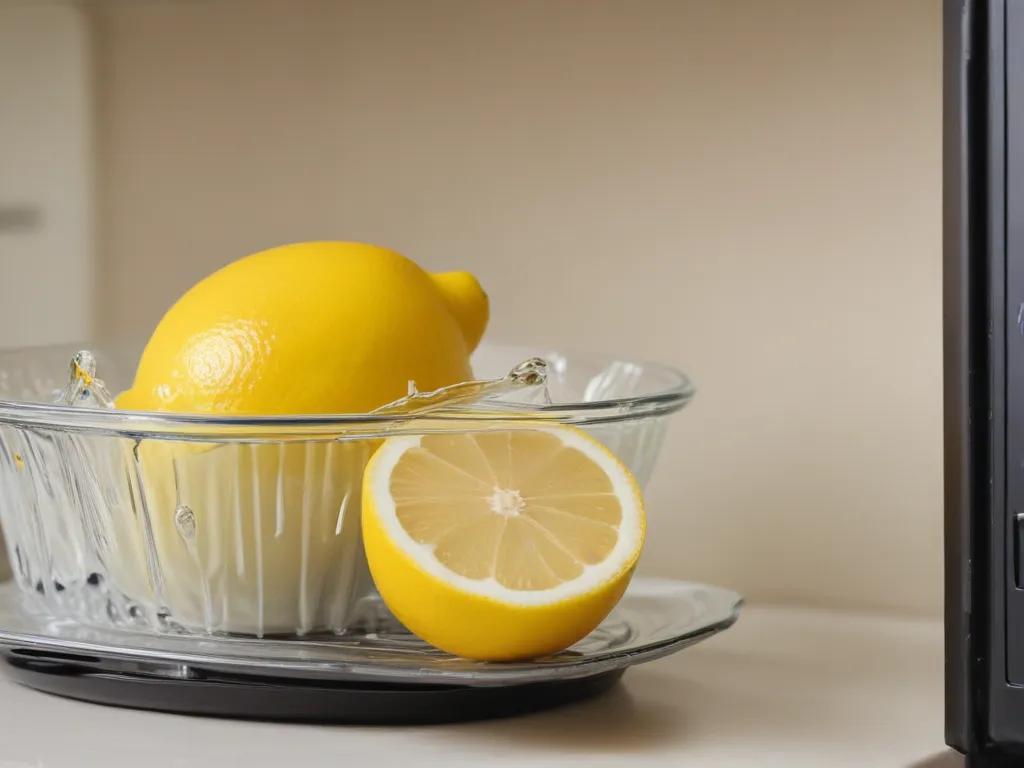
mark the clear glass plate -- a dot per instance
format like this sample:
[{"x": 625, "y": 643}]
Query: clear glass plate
[
  {"x": 226, "y": 525},
  {"x": 656, "y": 617}
]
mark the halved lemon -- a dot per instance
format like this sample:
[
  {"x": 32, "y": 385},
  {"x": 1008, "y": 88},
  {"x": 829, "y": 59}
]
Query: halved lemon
[{"x": 501, "y": 545}]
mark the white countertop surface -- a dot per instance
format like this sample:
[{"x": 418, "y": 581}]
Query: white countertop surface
[{"x": 784, "y": 687}]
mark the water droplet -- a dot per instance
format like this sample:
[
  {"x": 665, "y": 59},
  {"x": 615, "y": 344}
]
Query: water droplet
[
  {"x": 83, "y": 365},
  {"x": 529, "y": 373},
  {"x": 185, "y": 521},
  {"x": 82, "y": 384}
]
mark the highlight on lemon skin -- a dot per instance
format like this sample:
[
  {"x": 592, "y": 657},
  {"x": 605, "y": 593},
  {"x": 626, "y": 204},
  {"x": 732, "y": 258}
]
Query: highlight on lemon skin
[{"x": 501, "y": 545}]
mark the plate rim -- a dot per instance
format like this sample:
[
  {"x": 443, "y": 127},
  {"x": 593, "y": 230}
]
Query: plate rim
[{"x": 477, "y": 674}]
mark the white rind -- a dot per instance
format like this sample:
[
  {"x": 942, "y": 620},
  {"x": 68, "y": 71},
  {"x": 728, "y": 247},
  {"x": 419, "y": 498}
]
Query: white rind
[{"x": 630, "y": 529}]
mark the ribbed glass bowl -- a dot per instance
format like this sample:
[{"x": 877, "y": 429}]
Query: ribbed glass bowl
[{"x": 238, "y": 525}]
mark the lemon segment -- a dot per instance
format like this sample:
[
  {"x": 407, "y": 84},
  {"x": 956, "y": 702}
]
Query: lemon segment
[{"x": 501, "y": 545}]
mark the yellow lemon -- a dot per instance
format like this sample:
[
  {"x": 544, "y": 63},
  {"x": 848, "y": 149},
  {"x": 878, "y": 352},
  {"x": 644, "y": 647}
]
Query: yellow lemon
[
  {"x": 262, "y": 538},
  {"x": 310, "y": 328},
  {"x": 504, "y": 544}
]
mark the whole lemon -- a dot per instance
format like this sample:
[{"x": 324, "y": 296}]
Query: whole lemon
[
  {"x": 310, "y": 328},
  {"x": 262, "y": 538}
]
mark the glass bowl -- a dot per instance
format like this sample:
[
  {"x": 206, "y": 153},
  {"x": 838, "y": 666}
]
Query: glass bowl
[{"x": 247, "y": 525}]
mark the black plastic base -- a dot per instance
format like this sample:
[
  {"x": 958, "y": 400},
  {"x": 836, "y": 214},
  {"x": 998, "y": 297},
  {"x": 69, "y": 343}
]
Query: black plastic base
[
  {"x": 282, "y": 699},
  {"x": 993, "y": 760}
]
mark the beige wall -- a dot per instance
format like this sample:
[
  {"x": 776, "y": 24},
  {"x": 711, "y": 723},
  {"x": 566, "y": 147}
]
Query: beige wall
[
  {"x": 748, "y": 189},
  {"x": 47, "y": 272}
]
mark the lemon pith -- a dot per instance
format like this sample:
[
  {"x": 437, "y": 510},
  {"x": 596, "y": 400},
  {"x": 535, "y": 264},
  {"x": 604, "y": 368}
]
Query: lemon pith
[{"x": 501, "y": 545}]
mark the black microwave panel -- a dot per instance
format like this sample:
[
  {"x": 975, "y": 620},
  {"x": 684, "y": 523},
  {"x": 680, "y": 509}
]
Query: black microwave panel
[
  {"x": 1013, "y": 342},
  {"x": 983, "y": 377},
  {"x": 983, "y": 331},
  {"x": 1012, "y": 538}
]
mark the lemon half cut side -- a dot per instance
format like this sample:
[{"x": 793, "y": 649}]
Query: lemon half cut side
[{"x": 504, "y": 544}]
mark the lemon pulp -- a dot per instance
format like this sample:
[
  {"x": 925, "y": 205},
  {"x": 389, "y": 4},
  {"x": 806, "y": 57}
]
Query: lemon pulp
[{"x": 505, "y": 544}]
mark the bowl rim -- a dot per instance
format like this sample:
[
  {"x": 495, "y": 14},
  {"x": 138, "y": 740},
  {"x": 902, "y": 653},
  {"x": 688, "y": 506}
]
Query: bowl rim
[{"x": 205, "y": 427}]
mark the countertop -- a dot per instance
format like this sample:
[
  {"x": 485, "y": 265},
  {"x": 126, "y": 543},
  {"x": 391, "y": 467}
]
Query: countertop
[{"x": 784, "y": 687}]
